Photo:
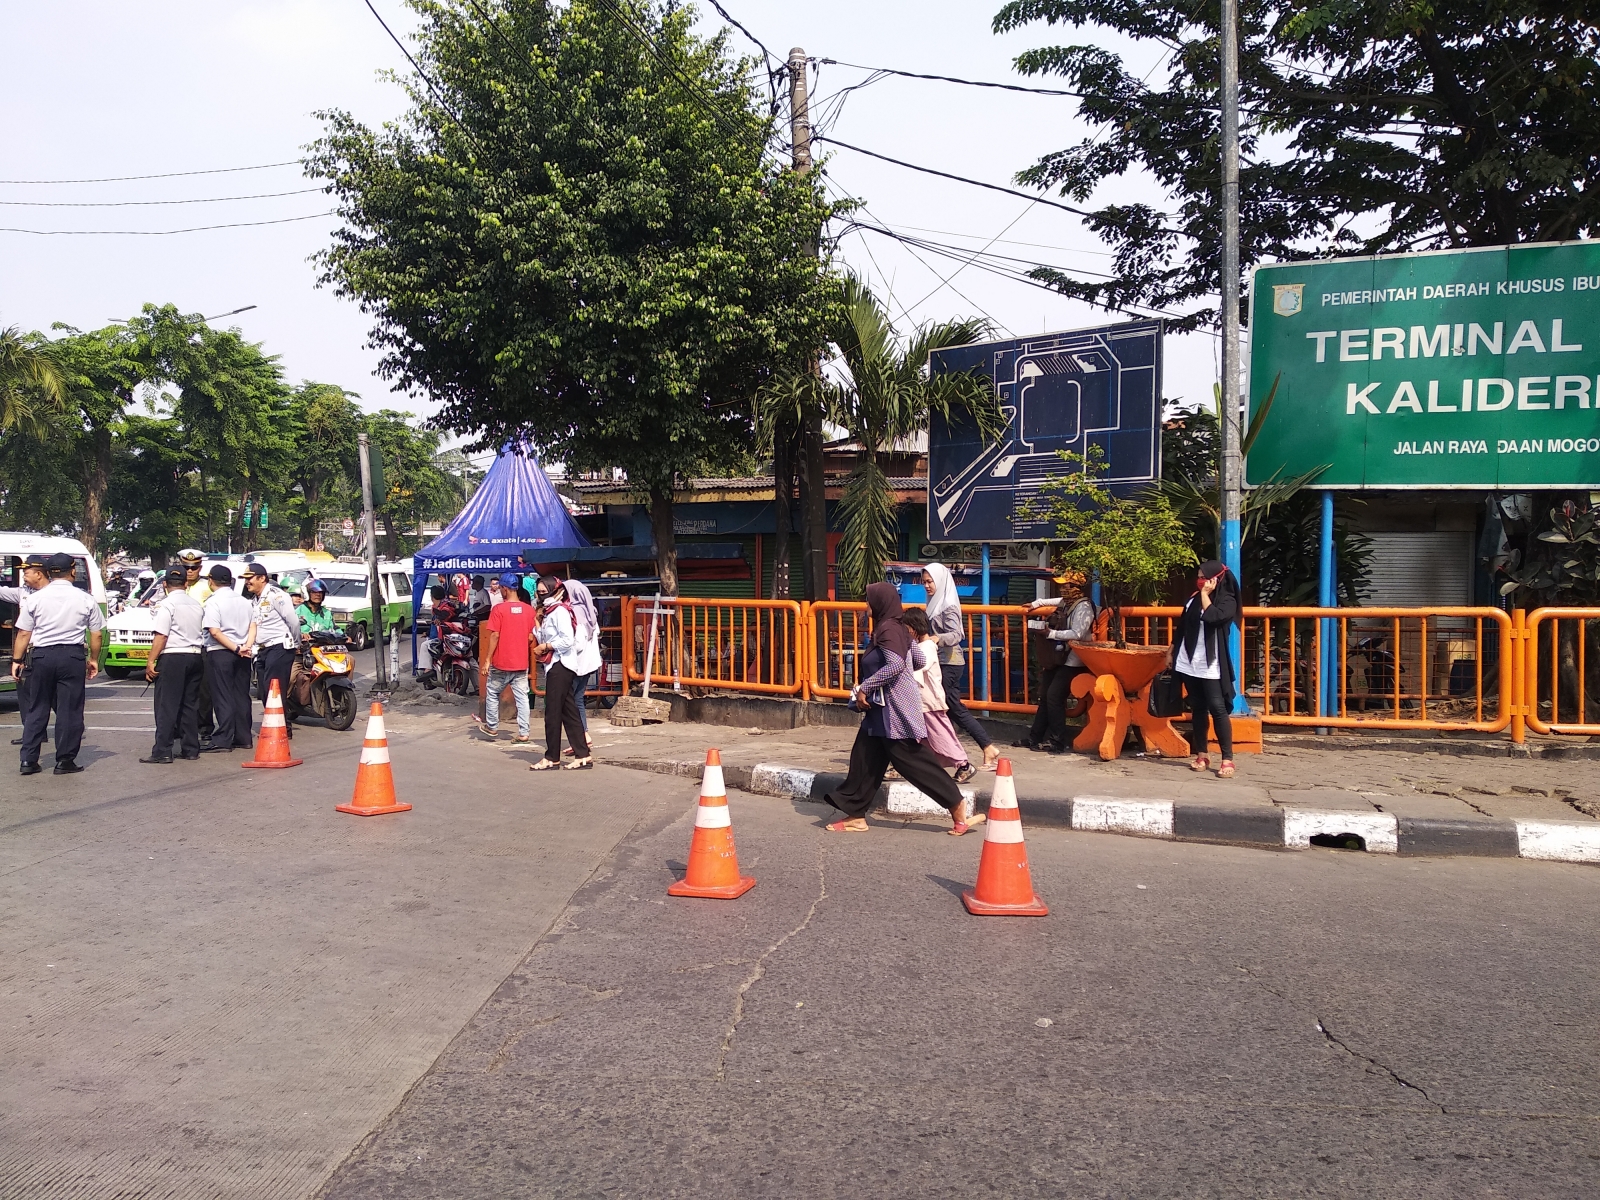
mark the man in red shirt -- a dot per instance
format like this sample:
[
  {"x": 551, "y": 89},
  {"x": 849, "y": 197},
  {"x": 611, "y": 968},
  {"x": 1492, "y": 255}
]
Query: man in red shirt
[{"x": 510, "y": 625}]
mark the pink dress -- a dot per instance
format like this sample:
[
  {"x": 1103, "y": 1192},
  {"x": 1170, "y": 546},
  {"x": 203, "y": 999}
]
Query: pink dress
[{"x": 941, "y": 737}]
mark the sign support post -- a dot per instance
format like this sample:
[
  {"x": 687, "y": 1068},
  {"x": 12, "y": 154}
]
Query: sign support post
[
  {"x": 1230, "y": 322},
  {"x": 983, "y": 668},
  {"x": 369, "y": 523},
  {"x": 1328, "y": 597}
]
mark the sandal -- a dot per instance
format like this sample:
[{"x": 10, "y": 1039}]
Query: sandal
[
  {"x": 957, "y": 829},
  {"x": 1225, "y": 771},
  {"x": 544, "y": 764},
  {"x": 1201, "y": 762},
  {"x": 965, "y": 773},
  {"x": 578, "y": 764},
  {"x": 849, "y": 825}
]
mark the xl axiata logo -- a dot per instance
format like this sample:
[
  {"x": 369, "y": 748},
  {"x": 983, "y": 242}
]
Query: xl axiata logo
[{"x": 1288, "y": 299}]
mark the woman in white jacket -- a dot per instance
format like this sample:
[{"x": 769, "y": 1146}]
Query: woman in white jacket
[{"x": 571, "y": 653}]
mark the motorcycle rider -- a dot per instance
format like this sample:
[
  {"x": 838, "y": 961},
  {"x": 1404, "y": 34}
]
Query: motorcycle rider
[{"x": 312, "y": 615}]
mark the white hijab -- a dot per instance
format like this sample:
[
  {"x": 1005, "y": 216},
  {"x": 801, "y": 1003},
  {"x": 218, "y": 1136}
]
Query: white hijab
[{"x": 943, "y": 595}]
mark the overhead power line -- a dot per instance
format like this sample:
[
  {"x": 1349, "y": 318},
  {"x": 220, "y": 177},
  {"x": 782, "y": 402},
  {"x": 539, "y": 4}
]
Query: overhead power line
[
  {"x": 159, "y": 232},
  {"x": 1006, "y": 87},
  {"x": 731, "y": 20},
  {"x": 292, "y": 162},
  {"x": 993, "y": 187},
  {"x": 146, "y": 203}
]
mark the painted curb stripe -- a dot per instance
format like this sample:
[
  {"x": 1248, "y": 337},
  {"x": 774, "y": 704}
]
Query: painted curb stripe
[
  {"x": 1108, "y": 814},
  {"x": 773, "y": 779},
  {"x": 1378, "y": 830},
  {"x": 1558, "y": 842}
]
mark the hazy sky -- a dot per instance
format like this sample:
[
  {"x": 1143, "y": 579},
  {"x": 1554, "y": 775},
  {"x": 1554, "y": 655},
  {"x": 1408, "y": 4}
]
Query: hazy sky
[{"x": 96, "y": 89}]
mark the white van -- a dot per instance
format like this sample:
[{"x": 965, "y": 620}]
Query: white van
[
  {"x": 348, "y": 598},
  {"x": 14, "y": 548}
]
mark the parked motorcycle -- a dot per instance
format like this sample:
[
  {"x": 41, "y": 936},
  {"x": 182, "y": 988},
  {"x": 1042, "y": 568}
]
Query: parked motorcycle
[
  {"x": 323, "y": 684},
  {"x": 453, "y": 655}
]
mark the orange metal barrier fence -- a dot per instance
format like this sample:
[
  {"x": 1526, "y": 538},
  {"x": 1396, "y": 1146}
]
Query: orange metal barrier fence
[
  {"x": 1557, "y": 661},
  {"x": 999, "y": 674},
  {"x": 733, "y": 645},
  {"x": 1399, "y": 668}
]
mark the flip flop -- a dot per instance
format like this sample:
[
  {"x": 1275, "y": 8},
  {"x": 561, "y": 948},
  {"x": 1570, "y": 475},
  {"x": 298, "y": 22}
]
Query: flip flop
[
  {"x": 845, "y": 827},
  {"x": 959, "y": 828}
]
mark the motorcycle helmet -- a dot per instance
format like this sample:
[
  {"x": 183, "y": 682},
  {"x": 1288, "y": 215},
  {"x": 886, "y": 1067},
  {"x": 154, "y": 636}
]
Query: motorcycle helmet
[{"x": 316, "y": 585}]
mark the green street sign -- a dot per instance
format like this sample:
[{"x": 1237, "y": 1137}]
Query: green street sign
[
  {"x": 1451, "y": 369},
  {"x": 246, "y": 522}
]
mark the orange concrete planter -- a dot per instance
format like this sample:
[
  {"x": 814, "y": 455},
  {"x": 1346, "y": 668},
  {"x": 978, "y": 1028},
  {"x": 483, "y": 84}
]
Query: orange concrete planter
[{"x": 1118, "y": 685}]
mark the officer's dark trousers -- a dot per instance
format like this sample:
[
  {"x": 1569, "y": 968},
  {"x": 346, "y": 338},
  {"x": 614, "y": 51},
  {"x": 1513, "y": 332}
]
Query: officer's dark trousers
[
  {"x": 230, "y": 692},
  {"x": 207, "y": 719},
  {"x": 177, "y": 703},
  {"x": 56, "y": 683},
  {"x": 276, "y": 663}
]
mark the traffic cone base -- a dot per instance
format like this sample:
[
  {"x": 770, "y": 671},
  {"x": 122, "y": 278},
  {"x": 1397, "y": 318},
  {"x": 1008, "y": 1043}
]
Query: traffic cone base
[
  {"x": 272, "y": 745},
  {"x": 1005, "y": 886},
  {"x": 713, "y": 872},
  {"x": 374, "y": 794}
]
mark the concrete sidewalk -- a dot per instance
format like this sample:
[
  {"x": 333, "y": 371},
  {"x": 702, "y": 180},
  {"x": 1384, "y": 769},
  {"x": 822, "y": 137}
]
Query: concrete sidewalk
[{"x": 1395, "y": 801}]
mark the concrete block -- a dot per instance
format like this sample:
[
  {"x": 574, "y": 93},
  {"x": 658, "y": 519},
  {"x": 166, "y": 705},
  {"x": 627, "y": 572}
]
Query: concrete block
[
  {"x": 1109, "y": 814},
  {"x": 1260, "y": 826},
  {"x": 1378, "y": 830},
  {"x": 773, "y": 779},
  {"x": 1558, "y": 841},
  {"x": 1439, "y": 837},
  {"x": 904, "y": 800}
]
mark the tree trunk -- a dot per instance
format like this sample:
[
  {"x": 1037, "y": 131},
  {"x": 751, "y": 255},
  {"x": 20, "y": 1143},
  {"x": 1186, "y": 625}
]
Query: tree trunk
[
  {"x": 783, "y": 447},
  {"x": 814, "y": 502},
  {"x": 389, "y": 536},
  {"x": 96, "y": 479},
  {"x": 666, "y": 541}
]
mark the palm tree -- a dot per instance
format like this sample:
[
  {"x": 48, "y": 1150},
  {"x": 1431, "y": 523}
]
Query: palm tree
[
  {"x": 29, "y": 376},
  {"x": 879, "y": 392}
]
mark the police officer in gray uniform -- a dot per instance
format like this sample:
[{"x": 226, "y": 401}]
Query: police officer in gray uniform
[
  {"x": 33, "y": 578},
  {"x": 50, "y": 633},
  {"x": 277, "y": 631},
  {"x": 229, "y": 622},
  {"x": 175, "y": 667}
]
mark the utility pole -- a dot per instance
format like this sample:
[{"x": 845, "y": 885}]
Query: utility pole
[
  {"x": 1230, "y": 311},
  {"x": 813, "y": 484},
  {"x": 369, "y": 523}
]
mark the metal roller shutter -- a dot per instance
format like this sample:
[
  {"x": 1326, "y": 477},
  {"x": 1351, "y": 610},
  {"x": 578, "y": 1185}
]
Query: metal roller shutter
[{"x": 1414, "y": 570}]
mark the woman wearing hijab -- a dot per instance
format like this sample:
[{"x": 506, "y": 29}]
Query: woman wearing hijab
[
  {"x": 944, "y": 618},
  {"x": 571, "y": 655},
  {"x": 892, "y": 729},
  {"x": 1201, "y": 656}
]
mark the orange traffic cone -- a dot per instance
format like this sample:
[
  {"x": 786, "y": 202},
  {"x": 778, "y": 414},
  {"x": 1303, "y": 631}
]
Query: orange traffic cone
[
  {"x": 272, "y": 746},
  {"x": 1005, "y": 888},
  {"x": 374, "y": 793},
  {"x": 713, "y": 863}
]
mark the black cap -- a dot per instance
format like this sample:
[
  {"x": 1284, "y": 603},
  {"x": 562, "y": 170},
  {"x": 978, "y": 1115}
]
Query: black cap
[
  {"x": 37, "y": 560},
  {"x": 58, "y": 563},
  {"x": 177, "y": 574},
  {"x": 221, "y": 574},
  {"x": 256, "y": 568}
]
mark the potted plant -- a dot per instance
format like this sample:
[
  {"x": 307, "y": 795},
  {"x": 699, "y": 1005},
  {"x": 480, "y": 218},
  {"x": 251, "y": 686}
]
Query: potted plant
[{"x": 1131, "y": 544}]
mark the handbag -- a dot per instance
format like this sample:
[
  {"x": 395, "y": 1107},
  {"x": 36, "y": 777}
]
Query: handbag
[{"x": 1166, "y": 695}]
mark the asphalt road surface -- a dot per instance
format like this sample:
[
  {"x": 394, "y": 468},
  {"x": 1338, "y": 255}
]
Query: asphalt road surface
[{"x": 211, "y": 986}]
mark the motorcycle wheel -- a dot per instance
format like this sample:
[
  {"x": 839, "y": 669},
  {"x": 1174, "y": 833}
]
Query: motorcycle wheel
[
  {"x": 458, "y": 681},
  {"x": 341, "y": 708}
]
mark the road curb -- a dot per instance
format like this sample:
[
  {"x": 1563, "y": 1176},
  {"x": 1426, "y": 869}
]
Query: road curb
[{"x": 1169, "y": 820}]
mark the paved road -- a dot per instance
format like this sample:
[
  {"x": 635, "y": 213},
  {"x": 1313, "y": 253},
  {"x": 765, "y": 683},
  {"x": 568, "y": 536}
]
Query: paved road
[
  {"x": 211, "y": 984},
  {"x": 1190, "y": 1021}
]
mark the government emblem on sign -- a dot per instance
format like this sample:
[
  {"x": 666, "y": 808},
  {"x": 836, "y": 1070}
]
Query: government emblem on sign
[{"x": 1288, "y": 298}]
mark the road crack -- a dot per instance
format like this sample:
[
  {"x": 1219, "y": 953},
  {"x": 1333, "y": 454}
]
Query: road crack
[
  {"x": 1335, "y": 1040},
  {"x": 760, "y": 968}
]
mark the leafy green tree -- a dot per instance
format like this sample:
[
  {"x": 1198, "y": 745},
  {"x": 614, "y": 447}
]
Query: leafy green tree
[
  {"x": 415, "y": 487},
  {"x": 588, "y": 250},
  {"x": 327, "y": 470},
  {"x": 31, "y": 383},
  {"x": 1132, "y": 544},
  {"x": 878, "y": 391},
  {"x": 1367, "y": 126}
]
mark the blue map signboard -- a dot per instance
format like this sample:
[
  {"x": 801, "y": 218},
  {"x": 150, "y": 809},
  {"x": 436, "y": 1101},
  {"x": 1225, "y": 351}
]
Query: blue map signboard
[{"x": 1059, "y": 391}]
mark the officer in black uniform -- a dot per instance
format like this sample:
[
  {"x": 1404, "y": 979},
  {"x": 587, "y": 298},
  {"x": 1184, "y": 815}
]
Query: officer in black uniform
[
  {"x": 50, "y": 646},
  {"x": 33, "y": 578}
]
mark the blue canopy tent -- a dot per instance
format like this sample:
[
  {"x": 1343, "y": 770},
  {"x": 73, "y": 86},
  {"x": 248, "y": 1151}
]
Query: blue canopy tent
[{"x": 515, "y": 508}]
